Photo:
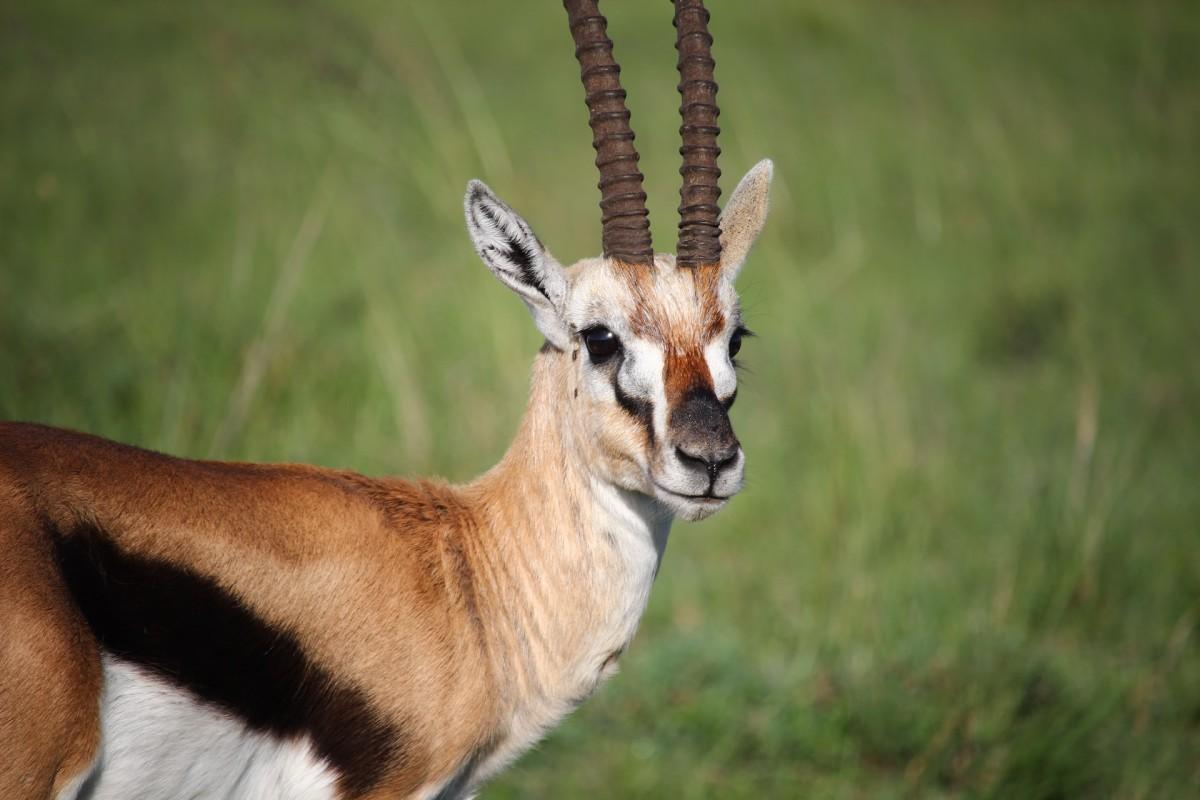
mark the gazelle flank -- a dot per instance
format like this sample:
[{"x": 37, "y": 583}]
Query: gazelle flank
[{"x": 174, "y": 627}]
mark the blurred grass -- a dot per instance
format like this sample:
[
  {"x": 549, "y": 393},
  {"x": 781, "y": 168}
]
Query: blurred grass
[{"x": 967, "y": 560}]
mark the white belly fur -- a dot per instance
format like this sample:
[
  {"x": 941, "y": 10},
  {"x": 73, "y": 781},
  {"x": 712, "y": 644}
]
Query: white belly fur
[{"x": 160, "y": 743}]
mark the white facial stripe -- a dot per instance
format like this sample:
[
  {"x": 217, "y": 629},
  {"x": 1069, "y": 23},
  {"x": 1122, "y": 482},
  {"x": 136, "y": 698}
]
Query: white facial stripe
[
  {"x": 721, "y": 368},
  {"x": 644, "y": 370}
]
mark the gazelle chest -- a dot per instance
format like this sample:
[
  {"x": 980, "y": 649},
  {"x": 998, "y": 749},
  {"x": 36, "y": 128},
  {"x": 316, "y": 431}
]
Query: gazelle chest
[
  {"x": 616, "y": 598},
  {"x": 604, "y": 608}
]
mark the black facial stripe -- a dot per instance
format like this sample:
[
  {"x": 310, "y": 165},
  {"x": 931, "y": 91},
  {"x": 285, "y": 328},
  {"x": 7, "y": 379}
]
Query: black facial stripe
[
  {"x": 189, "y": 631},
  {"x": 518, "y": 253},
  {"x": 642, "y": 410}
]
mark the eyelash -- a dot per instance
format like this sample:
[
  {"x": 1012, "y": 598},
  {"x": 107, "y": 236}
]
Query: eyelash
[{"x": 739, "y": 333}]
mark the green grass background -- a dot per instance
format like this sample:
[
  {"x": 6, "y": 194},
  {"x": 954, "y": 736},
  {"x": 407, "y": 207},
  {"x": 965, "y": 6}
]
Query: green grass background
[{"x": 966, "y": 563}]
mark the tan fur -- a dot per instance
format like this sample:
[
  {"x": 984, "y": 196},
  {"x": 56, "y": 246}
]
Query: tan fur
[
  {"x": 49, "y": 675},
  {"x": 444, "y": 603},
  {"x": 657, "y": 313}
]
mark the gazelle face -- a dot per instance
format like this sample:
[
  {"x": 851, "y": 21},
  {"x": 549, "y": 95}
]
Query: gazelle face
[
  {"x": 652, "y": 352},
  {"x": 651, "y": 348}
]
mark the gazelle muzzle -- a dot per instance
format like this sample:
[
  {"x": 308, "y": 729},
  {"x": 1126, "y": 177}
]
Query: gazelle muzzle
[{"x": 702, "y": 436}]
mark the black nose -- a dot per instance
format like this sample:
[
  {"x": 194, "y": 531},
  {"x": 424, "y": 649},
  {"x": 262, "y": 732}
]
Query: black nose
[
  {"x": 703, "y": 437},
  {"x": 712, "y": 463}
]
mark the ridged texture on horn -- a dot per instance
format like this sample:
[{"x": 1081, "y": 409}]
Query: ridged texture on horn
[
  {"x": 622, "y": 200},
  {"x": 699, "y": 231}
]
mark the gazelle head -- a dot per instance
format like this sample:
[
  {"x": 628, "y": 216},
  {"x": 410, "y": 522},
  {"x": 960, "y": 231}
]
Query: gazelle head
[{"x": 651, "y": 338}]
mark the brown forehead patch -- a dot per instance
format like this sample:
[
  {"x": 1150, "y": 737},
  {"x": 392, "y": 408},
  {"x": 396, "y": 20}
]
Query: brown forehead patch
[
  {"x": 683, "y": 372},
  {"x": 682, "y": 311},
  {"x": 696, "y": 319}
]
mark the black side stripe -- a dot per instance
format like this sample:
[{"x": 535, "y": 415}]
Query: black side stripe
[{"x": 189, "y": 631}]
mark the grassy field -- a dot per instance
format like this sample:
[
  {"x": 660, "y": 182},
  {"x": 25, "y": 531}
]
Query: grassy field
[{"x": 967, "y": 563}]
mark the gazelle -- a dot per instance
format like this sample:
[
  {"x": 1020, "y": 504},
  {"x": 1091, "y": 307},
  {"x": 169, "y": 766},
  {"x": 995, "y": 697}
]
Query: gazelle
[{"x": 174, "y": 628}]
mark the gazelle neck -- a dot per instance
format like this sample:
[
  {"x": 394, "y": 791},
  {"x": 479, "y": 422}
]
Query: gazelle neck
[{"x": 574, "y": 555}]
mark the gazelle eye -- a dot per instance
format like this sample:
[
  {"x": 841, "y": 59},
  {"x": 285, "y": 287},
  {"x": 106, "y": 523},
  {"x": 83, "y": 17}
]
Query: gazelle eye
[
  {"x": 601, "y": 343},
  {"x": 735, "y": 343}
]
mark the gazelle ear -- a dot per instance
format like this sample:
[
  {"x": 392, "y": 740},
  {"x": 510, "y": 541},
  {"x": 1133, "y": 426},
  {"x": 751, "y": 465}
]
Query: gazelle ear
[
  {"x": 513, "y": 253},
  {"x": 744, "y": 215}
]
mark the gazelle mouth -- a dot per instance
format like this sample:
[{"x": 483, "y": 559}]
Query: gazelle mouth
[{"x": 707, "y": 497}]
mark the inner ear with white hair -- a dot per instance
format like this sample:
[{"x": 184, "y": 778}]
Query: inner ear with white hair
[
  {"x": 514, "y": 254},
  {"x": 744, "y": 215}
]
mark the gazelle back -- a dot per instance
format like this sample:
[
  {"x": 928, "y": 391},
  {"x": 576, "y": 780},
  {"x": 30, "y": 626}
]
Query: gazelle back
[{"x": 193, "y": 628}]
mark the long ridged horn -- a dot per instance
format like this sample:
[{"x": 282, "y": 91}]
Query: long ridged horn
[
  {"x": 622, "y": 199},
  {"x": 699, "y": 230}
]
